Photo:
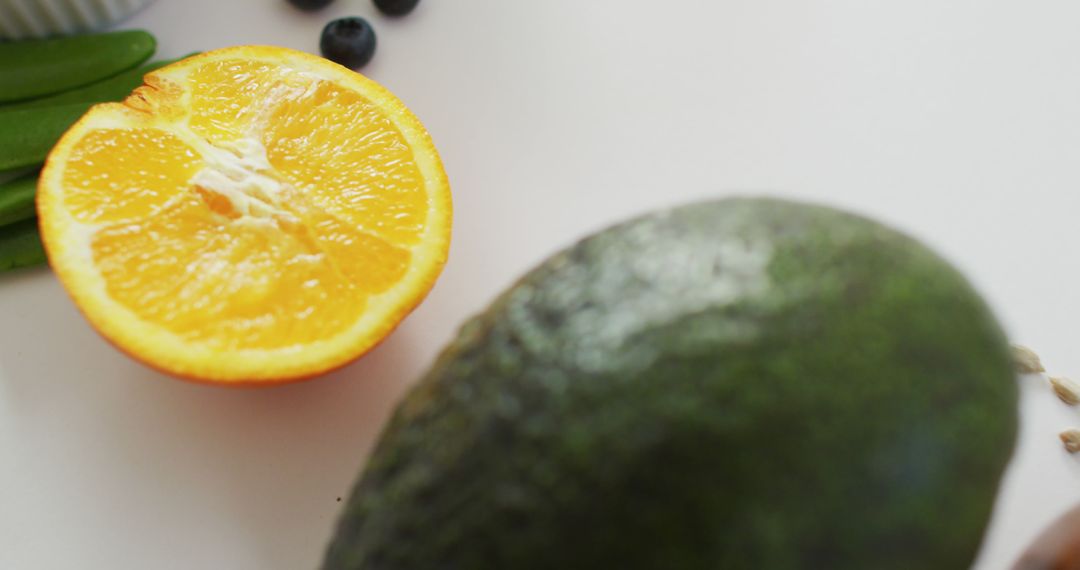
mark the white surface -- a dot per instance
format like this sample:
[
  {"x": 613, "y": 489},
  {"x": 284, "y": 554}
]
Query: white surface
[{"x": 957, "y": 121}]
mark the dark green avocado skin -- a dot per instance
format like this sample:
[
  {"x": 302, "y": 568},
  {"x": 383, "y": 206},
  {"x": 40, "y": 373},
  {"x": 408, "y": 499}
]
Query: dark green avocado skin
[{"x": 744, "y": 383}]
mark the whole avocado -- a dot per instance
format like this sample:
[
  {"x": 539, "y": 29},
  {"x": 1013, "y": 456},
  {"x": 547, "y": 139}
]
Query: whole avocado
[{"x": 743, "y": 383}]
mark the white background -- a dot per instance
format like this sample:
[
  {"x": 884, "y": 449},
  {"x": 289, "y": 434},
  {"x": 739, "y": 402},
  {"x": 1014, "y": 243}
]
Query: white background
[{"x": 956, "y": 121}]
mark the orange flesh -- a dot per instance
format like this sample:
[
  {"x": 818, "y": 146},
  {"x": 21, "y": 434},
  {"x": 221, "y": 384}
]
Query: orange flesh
[{"x": 289, "y": 248}]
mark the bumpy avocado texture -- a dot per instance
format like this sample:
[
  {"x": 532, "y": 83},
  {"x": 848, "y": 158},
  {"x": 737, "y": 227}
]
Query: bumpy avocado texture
[{"x": 744, "y": 383}]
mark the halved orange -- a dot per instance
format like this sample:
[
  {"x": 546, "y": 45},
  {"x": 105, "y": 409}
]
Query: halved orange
[{"x": 252, "y": 214}]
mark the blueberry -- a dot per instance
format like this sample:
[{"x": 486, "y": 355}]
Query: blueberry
[
  {"x": 396, "y": 7},
  {"x": 348, "y": 41},
  {"x": 310, "y": 5}
]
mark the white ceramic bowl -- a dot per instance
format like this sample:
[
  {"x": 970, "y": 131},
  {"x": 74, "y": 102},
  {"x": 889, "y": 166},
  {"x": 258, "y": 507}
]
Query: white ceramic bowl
[{"x": 23, "y": 19}]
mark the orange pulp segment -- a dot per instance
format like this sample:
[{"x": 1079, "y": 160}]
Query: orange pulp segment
[{"x": 250, "y": 215}]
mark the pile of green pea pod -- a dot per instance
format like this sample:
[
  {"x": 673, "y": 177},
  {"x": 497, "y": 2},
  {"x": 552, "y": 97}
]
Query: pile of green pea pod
[{"x": 45, "y": 86}]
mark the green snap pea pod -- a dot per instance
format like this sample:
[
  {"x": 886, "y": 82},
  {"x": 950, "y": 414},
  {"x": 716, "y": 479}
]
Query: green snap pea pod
[
  {"x": 35, "y": 68},
  {"x": 27, "y": 135},
  {"x": 9, "y": 175},
  {"x": 20, "y": 245},
  {"x": 115, "y": 88},
  {"x": 17, "y": 199}
]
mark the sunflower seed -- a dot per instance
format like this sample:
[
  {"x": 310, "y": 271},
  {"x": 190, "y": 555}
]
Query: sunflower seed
[
  {"x": 1066, "y": 389},
  {"x": 1025, "y": 361},
  {"x": 1071, "y": 439}
]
